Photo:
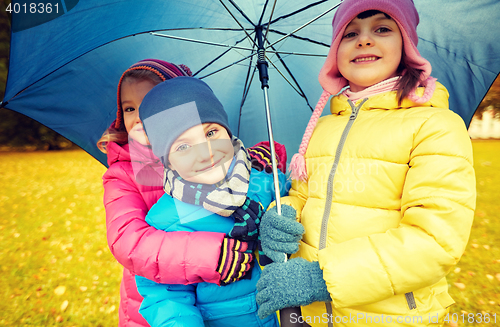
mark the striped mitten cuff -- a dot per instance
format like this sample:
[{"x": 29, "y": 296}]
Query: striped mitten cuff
[{"x": 234, "y": 263}]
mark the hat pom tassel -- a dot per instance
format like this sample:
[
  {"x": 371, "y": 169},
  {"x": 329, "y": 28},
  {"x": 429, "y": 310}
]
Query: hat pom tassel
[
  {"x": 297, "y": 168},
  {"x": 430, "y": 87}
]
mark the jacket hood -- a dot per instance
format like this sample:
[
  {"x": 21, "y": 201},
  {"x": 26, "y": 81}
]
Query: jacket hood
[
  {"x": 388, "y": 100},
  {"x": 117, "y": 152}
]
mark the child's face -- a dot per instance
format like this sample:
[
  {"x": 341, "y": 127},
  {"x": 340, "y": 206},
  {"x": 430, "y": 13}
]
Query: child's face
[
  {"x": 370, "y": 51},
  {"x": 202, "y": 154},
  {"x": 132, "y": 93}
]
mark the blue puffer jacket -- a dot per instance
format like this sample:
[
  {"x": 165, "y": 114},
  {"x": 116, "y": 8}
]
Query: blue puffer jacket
[{"x": 205, "y": 304}]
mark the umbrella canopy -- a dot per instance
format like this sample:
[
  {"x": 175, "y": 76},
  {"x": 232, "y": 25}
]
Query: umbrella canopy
[{"x": 64, "y": 67}]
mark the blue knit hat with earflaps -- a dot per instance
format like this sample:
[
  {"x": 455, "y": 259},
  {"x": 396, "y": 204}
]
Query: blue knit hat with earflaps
[{"x": 176, "y": 105}]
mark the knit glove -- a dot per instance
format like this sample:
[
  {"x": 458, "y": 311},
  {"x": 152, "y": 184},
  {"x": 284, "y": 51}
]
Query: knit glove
[
  {"x": 290, "y": 284},
  {"x": 247, "y": 221},
  {"x": 280, "y": 233},
  {"x": 234, "y": 263}
]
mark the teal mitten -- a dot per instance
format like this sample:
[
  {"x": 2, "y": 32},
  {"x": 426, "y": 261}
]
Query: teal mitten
[
  {"x": 290, "y": 284},
  {"x": 280, "y": 233}
]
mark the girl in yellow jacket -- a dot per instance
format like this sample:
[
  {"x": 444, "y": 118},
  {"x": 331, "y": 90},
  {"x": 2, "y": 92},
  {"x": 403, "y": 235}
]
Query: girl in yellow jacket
[{"x": 384, "y": 186}]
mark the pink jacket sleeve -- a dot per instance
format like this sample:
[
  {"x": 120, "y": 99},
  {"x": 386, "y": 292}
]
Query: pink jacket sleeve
[{"x": 149, "y": 252}]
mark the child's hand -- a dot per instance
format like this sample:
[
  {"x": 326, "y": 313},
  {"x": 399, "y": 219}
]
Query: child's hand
[
  {"x": 291, "y": 284},
  {"x": 280, "y": 234},
  {"x": 234, "y": 263},
  {"x": 247, "y": 220}
]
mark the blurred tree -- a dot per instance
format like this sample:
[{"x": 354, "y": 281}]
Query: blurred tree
[
  {"x": 17, "y": 130},
  {"x": 491, "y": 100},
  {"x": 4, "y": 45}
]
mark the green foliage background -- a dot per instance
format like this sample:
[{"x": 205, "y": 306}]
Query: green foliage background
[{"x": 16, "y": 130}]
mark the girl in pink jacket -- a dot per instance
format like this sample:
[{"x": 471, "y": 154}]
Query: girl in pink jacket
[{"x": 132, "y": 184}]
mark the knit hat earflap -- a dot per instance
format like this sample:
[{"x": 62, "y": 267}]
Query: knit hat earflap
[
  {"x": 174, "y": 106},
  {"x": 164, "y": 70}
]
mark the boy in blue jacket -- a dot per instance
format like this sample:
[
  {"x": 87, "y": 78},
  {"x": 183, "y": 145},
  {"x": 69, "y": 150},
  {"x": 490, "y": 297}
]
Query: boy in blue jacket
[{"x": 210, "y": 185}]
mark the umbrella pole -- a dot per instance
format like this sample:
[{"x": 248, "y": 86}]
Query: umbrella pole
[
  {"x": 273, "y": 153},
  {"x": 262, "y": 65},
  {"x": 264, "y": 78}
]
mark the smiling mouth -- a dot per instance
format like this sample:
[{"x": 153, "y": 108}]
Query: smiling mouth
[
  {"x": 211, "y": 166},
  {"x": 364, "y": 59}
]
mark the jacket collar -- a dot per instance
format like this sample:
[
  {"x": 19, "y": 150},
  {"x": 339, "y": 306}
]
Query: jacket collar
[
  {"x": 388, "y": 100},
  {"x": 132, "y": 151}
]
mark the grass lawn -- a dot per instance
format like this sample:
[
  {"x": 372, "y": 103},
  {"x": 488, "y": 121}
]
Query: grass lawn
[
  {"x": 56, "y": 269},
  {"x": 475, "y": 282}
]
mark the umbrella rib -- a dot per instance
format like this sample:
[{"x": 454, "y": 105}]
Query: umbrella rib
[
  {"x": 241, "y": 11},
  {"x": 234, "y": 63},
  {"x": 299, "y": 11},
  {"x": 299, "y": 90},
  {"x": 247, "y": 83},
  {"x": 237, "y": 21},
  {"x": 200, "y": 41},
  {"x": 232, "y": 46},
  {"x": 306, "y": 24},
  {"x": 301, "y": 38},
  {"x": 269, "y": 24},
  {"x": 218, "y": 57},
  {"x": 200, "y": 28},
  {"x": 284, "y": 77},
  {"x": 297, "y": 53},
  {"x": 263, "y": 12},
  {"x": 246, "y": 90}
]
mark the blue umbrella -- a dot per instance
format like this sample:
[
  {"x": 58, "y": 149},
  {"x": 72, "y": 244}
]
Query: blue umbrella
[{"x": 64, "y": 65}]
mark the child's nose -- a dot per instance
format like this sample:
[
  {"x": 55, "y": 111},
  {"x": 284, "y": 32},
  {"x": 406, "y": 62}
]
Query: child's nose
[
  {"x": 364, "y": 40},
  {"x": 205, "y": 151},
  {"x": 137, "y": 119}
]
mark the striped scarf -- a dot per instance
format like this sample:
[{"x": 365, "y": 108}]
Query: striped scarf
[{"x": 222, "y": 198}]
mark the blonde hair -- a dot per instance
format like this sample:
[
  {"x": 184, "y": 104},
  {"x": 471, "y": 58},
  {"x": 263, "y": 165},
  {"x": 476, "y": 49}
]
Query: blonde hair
[{"x": 112, "y": 135}]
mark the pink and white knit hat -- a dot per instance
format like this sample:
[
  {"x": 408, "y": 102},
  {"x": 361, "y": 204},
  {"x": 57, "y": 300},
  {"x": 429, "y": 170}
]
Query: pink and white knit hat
[
  {"x": 165, "y": 71},
  {"x": 405, "y": 15}
]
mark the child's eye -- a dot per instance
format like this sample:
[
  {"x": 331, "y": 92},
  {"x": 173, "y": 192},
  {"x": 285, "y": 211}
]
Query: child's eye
[
  {"x": 129, "y": 109},
  {"x": 211, "y": 133},
  {"x": 383, "y": 30},
  {"x": 182, "y": 147},
  {"x": 350, "y": 35}
]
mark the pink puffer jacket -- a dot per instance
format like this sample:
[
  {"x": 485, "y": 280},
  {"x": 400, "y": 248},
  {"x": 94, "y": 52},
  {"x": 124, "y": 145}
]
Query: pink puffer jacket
[{"x": 132, "y": 184}]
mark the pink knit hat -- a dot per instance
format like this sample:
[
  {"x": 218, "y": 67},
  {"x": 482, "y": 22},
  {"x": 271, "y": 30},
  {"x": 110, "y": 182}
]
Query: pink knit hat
[{"x": 405, "y": 15}]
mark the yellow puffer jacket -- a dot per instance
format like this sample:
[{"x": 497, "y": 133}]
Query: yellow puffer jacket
[{"x": 395, "y": 215}]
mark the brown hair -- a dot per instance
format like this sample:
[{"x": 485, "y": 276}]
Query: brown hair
[{"x": 410, "y": 79}]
